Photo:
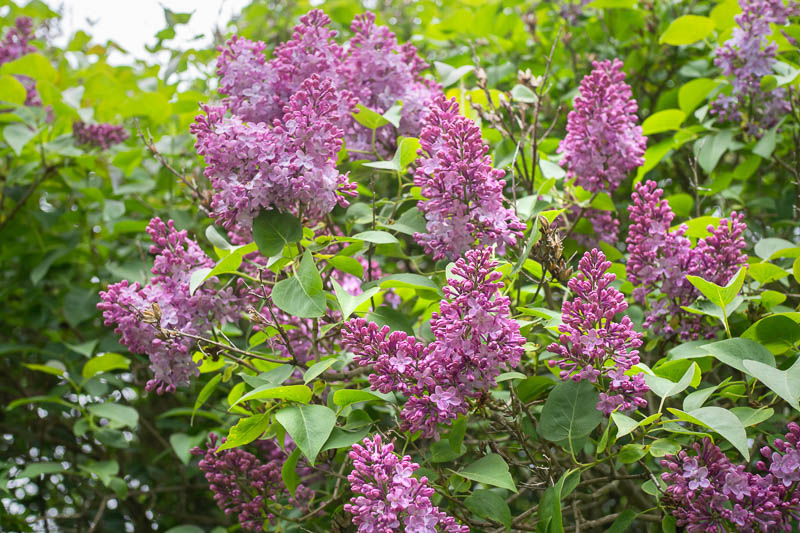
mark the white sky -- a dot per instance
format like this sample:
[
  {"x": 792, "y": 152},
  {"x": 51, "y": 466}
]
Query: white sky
[{"x": 134, "y": 23}]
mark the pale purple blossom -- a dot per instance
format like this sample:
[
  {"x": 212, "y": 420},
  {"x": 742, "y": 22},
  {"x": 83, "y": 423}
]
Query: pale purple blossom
[{"x": 101, "y": 136}]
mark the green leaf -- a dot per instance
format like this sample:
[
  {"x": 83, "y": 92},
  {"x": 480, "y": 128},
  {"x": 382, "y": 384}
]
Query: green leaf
[
  {"x": 289, "y": 471},
  {"x": 489, "y": 470},
  {"x": 421, "y": 284},
  {"x": 489, "y": 505},
  {"x": 777, "y": 333},
  {"x": 687, "y": 29},
  {"x": 368, "y": 118},
  {"x": 720, "y": 420},
  {"x": 246, "y": 431},
  {"x": 34, "y": 470},
  {"x": 394, "y": 114},
  {"x": 765, "y": 273},
  {"x": 720, "y": 296},
  {"x": 12, "y": 90},
  {"x": 118, "y": 415},
  {"x": 665, "y": 388},
  {"x": 316, "y": 369},
  {"x": 784, "y": 383},
  {"x": 766, "y": 144},
  {"x": 17, "y": 136},
  {"x": 349, "y": 303},
  {"x": 376, "y": 237},
  {"x": 521, "y": 93},
  {"x": 309, "y": 426},
  {"x": 681, "y": 204},
  {"x": 272, "y": 230},
  {"x": 733, "y": 352},
  {"x": 205, "y": 393},
  {"x": 104, "y": 470},
  {"x": 692, "y": 93},
  {"x": 768, "y": 248},
  {"x": 449, "y": 75},
  {"x": 669, "y": 119},
  {"x": 630, "y": 453},
  {"x": 341, "y": 438},
  {"x": 566, "y": 416},
  {"x": 292, "y": 393},
  {"x": 185, "y": 529},
  {"x": 625, "y": 424},
  {"x": 105, "y": 363},
  {"x": 34, "y": 66},
  {"x": 697, "y": 398},
  {"x": 54, "y": 368},
  {"x": 406, "y": 153},
  {"x": 751, "y": 417},
  {"x": 215, "y": 237},
  {"x": 346, "y": 397},
  {"x": 662, "y": 447},
  {"x": 301, "y": 295}
]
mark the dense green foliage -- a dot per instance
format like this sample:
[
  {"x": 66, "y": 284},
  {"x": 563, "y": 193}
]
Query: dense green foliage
[{"x": 83, "y": 446}]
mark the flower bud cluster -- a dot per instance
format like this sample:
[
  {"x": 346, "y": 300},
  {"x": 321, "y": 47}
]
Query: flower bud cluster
[
  {"x": 475, "y": 338},
  {"x": 592, "y": 345},
  {"x": 389, "y": 499},
  {"x": 101, "y": 136}
]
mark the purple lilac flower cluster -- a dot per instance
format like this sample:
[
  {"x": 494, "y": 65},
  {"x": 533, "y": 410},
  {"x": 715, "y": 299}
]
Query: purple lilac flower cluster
[
  {"x": 592, "y": 344},
  {"x": 389, "y": 499},
  {"x": 142, "y": 314},
  {"x": 603, "y": 141},
  {"x": 707, "y": 492},
  {"x": 464, "y": 193},
  {"x": 475, "y": 338},
  {"x": 290, "y": 166},
  {"x": 747, "y": 57},
  {"x": 245, "y": 485},
  {"x": 660, "y": 259},
  {"x": 371, "y": 68},
  {"x": 101, "y": 136},
  {"x": 15, "y": 44}
]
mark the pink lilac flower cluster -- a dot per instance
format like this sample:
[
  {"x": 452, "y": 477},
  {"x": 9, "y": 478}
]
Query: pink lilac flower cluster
[
  {"x": 245, "y": 484},
  {"x": 101, "y": 136},
  {"x": 707, "y": 492},
  {"x": 475, "y": 338},
  {"x": 660, "y": 259},
  {"x": 165, "y": 303},
  {"x": 747, "y": 57},
  {"x": 592, "y": 345},
  {"x": 389, "y": 499},
  {"x": 371, "y": 69},
  {"x": 464, "y": 193},
  {"x": 289, "y": 166},
  {"x": 15, "y": 44}
]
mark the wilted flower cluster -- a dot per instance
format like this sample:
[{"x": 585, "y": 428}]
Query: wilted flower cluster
[
  {"x": 245, "y": 484},
  {"x": 289, "y": 166},
  {"x": 707, "y": 492},
  {"x": 143, "y": 316},
  {"x": 747, "y": 57},
  {"x": 660, "y": 259},
  {"x": 98, "y": 135},
  {"x": 475, "y": 338},
  {"x": 15, "y": 44},
  {"x": 389, "y": 498},
  {"x": 464, "y": 193},
  {"x": 371, "y": 68},
  {"x": 592, "y": 345}
]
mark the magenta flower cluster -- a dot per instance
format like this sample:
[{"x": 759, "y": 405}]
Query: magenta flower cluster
[
  {"x": 245, "y": 485},
  {"x": 101, "y": 136},
  {"x": 464, "y": 194},
  {"x": 661, "y": 257},
  {"x": 707, "y": 492},
  {"x": 603, "y": 142},
  {"x": 289, "y": 166},
  {"x": 475, "y": 338},
  {"x": 142, "y": 315},
  {"x": 388, "y": 498},
  {"x": 592, "y": 346},
  {"x": 371, "y": 69},
  {"x": 747, "y": 57},
  {"x": 15, "y": 44}
]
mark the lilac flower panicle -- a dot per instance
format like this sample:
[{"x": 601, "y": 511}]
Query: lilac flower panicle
[
  {"x": 475, "y": 338},
  {"x": 245, "y": 484},
  {"x": 289, "y": 166},
  {"x": 165, "y": 302},
  {"x": 101, "y": 136},
  {"x": 603, "y": 142},
  {"x": 747, "y": 57},
  {"x": 660, "y": 259},
  {"x": 387, "y": 498},
  {"x": 15, "y": 44},
  {"x": 708, "y": 492},
  {"x": 464, "y": 193},
  {"x": 592, "y": 345}
]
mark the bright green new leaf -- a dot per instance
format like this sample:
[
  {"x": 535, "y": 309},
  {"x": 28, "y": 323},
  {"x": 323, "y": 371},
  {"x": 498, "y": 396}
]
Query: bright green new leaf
[
  {"x": 687, "y": 29},
  {"x": 205, "y": 393},
  {"x": 118, "y": 415},
  {"x": 105, "y": 363},
  {"x": 669, "y": 119},
  {"x": 245, "y": 431},
  {"x": 490, "y": 470},
  {"x": 720, "y": 296}
]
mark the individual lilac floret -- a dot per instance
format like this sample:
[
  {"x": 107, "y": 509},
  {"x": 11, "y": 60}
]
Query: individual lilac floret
[
  {"x": 475, "y": 338},
  {"x": 101, "y": 136},
  {"x": 603, "y": 142},
  {"x": 165, "y": 303},
  {"x": 784, "y": 463},
  {"x": 592, "y": 345},
  {"x": 707, "y": 492},
  {"x": 387, "y": 498},
  {"x": 245, "y": 484},
  {"x": 747, "y": 57},
  {"x": 464, "y": 193},
  {"x": 15, "y": 44},
  {"x": 290, "y": 166},
  {"x": 660, "y": 259}
]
